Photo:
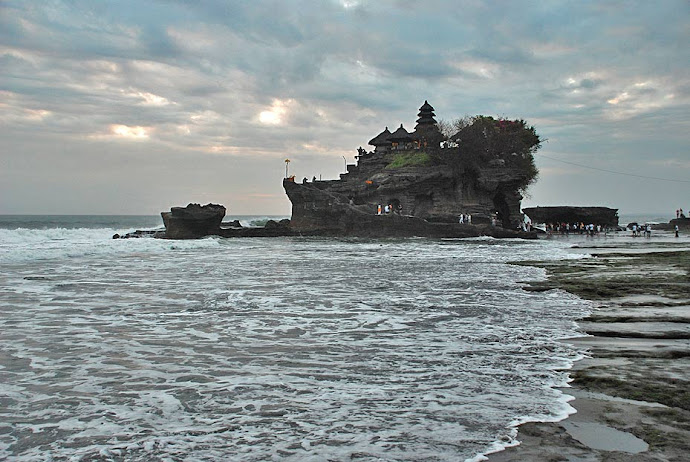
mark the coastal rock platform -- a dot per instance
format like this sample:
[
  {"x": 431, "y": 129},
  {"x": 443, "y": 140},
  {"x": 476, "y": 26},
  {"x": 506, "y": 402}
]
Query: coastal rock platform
[{"x": 631, "y": 394}]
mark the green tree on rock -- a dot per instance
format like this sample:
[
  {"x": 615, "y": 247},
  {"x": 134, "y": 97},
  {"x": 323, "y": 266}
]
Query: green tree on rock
[{"x": 482, "y": 141}]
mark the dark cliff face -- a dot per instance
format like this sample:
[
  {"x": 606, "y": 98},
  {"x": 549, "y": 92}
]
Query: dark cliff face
[
  {"x": 316, "y": 210},
  {"x": 426, "y": 190}
]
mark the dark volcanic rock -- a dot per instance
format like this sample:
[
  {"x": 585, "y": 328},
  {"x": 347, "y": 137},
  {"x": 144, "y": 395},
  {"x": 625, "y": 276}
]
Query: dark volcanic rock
[
  {"x": 430, "y": 192},
  {"x": 566, "y": 214},
  {"x": 194, "y": 221},
  {"x": 272, "y": 224},
  {"x": 682, "y": 223},
  {"x": 231, "y": 224},
  {"x": 327, "y": 214},
  {"x": 139, "y": 233},
  {"x": 197, "y": 221}
]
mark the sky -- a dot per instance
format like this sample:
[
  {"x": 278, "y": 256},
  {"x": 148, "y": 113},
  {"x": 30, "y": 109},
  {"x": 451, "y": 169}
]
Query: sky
[{"x": 131, "y": 107}]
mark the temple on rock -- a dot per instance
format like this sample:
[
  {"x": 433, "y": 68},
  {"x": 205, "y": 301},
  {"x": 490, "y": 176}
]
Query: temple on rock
[
  {"x": 418, "y": 176},
  {"x": 426, "y": 133}
]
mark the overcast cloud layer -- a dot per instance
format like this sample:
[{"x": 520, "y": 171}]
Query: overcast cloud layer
[{"x": 130, "y": 107}]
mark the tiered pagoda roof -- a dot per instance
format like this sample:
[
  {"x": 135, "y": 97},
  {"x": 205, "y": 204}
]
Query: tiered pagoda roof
[{"x": 426, "y": 115}]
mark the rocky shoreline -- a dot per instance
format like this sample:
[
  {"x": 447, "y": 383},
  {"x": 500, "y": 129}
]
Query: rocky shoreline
[
  {"x": 632, "y": 392},
  {"x": 196, "y": 221}
]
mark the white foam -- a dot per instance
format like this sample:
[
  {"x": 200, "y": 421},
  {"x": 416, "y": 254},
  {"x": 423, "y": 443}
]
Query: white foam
[
  {"x": 287, "y": 348},
  {"x": 30, "y": 245}
]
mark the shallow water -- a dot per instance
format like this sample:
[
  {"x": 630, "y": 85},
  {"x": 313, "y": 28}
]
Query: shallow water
[{"x": 274, "y": 349}]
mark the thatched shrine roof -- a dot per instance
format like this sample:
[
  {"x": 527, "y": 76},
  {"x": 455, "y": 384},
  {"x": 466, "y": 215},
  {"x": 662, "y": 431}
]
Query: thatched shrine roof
[{"x": 382, "y": 139}]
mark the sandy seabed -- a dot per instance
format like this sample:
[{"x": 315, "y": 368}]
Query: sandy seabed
[{"x": 631, "y": 394}]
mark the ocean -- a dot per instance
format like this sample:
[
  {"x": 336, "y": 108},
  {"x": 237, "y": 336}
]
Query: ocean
[{"x": 296, "y": 349}]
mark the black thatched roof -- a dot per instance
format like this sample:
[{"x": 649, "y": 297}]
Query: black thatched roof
[
  {"x": 426, "y": 107},
  {"x": 401, "y": 135},
  {"x": 381, "y": 139},
  {"x": 426, "y": 120}
]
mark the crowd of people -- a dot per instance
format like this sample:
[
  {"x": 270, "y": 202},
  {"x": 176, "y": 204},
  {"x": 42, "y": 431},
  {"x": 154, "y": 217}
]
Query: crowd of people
[
  {"x": 641, "y": 230},
  {"x": 575, "y": 228}
]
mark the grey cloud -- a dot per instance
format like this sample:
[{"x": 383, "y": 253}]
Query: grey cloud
[{"x": 348, "y": 72}]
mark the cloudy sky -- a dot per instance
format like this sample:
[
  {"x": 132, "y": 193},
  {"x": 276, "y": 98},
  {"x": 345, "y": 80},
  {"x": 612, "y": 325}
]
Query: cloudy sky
[{"x": 130, "y": 106}]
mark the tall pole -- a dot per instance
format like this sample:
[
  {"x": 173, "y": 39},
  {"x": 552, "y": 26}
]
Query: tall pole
[
  {"x": 345, "y": 163},
  {"x": 287, "y": 162}
]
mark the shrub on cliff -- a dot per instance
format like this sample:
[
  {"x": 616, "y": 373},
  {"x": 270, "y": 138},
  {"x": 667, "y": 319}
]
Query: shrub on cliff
[{"x": 477, "y": 141}]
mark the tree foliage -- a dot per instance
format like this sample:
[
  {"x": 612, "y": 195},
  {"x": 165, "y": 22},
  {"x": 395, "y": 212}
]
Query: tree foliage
[{"x": 483, "y": 141}]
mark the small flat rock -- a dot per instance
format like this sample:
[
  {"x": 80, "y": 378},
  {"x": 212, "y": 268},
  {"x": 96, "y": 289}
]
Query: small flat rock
[{"x": 656, "y": 330}]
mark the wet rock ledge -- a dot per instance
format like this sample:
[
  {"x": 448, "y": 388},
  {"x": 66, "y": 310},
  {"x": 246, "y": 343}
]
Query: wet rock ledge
[
  {"x": 632, "y": 392},
  {"x": 196, "y": 221}
]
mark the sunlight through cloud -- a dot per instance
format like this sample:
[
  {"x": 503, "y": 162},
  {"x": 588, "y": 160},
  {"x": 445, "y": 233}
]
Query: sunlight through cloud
[
  {"x": 275, "y": 115},
  {"x": 125, "y": 131}
]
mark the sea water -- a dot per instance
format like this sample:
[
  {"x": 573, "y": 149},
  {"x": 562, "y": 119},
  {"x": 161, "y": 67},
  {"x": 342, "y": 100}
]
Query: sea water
[{"x": 298, "y": 349}]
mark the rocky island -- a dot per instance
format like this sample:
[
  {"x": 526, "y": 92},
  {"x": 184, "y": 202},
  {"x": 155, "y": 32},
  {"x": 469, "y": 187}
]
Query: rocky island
[{"x": 425, "y": 183}]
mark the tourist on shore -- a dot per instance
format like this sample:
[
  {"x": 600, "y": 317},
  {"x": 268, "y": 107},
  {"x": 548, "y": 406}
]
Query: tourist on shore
[
  {"x": 676, "y": 230},
  {"x": 634, "y": 230}
]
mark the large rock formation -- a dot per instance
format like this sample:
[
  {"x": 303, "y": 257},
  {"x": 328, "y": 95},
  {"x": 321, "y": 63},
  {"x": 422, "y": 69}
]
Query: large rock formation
[
  {"x": 193, "y": 221},
  {"x": 566, "y": 214},
  {"x": 196, "y": 221},
  {"x": 325, "y": 213},
  {"x": 412, "y": 173}
]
